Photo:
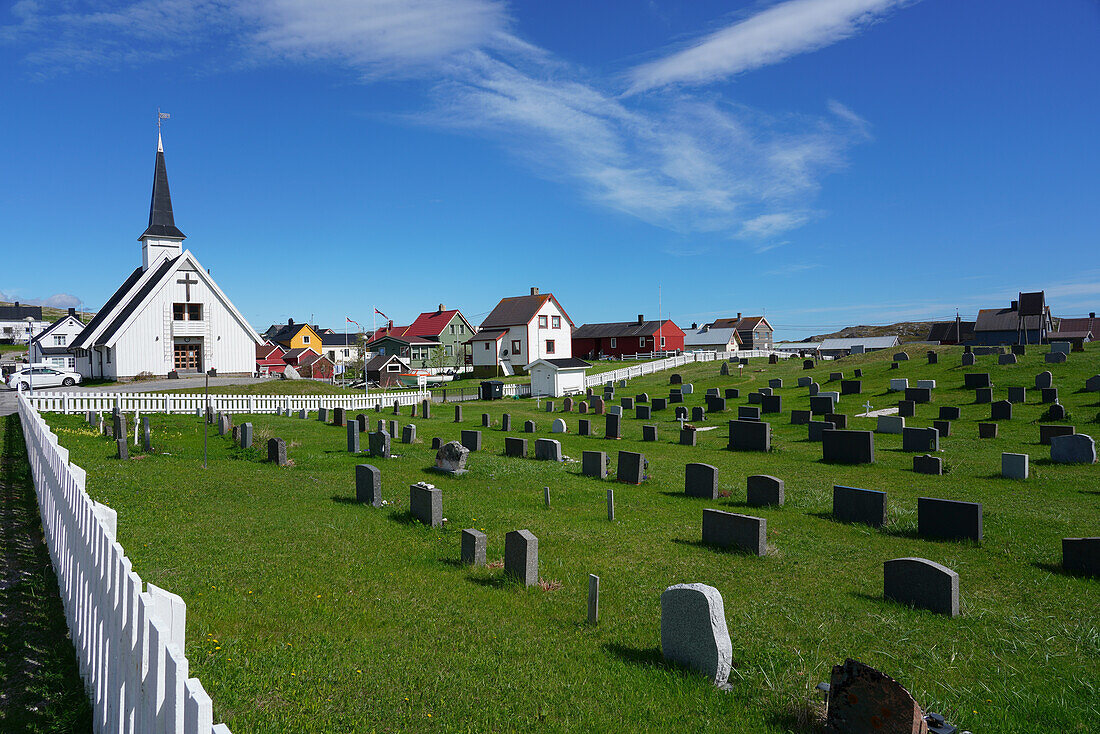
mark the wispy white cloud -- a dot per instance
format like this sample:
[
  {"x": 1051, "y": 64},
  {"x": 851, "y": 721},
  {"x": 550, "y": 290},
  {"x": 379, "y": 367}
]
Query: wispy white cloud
[
  {"x": 57, "y": 300},
  {"x": 769, "y": 225},
  {"x": 768, "y": 37}
]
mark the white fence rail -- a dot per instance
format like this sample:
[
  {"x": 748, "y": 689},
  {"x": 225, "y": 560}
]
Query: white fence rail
[
  {"x": 129, "y": 642},
  {"x": 648, "y": 368},
  {"x": 128, "y": 402}
]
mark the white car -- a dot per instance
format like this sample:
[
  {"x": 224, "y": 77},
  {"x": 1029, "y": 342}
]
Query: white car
[{"x": 40, "y": 376}]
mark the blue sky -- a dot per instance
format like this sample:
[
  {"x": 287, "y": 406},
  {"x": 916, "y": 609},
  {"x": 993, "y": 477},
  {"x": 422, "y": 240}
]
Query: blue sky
[{"x": 828, "y": 162}]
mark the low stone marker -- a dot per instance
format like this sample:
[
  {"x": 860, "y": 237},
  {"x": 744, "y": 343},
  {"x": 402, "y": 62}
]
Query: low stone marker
[
  {"x": 1015, "y": 466},
  {"x": 521, "y": 556},
  {"x": 687, "y": 389},
  {"x": 694, "y": 632},
  {"x": 836, "y": 376},
  {"x": 641, "y": 397},
  {"x": 974, "y": 380},
  {"x": 688, "y": 436},
  {"x": 627, "y": 403},
  {"x": 338, "y": 417},
  {"x": 851, "y": 387},
  {"x": 594, "y": 597},
  {"x": 437, "y": 443},
  {"x": 363, "y": 421},
  {"x": 471, "y": 440},
  {"x": 146, "y": 437},
  {"x": 1017, "y": 394},
  {"x": 899, "y": 384},
  {"x": 967, "y": 360},
  {"x": 799, "y": 417},
  {"x": 1076, "y": 449},
  {"x": 612, "y": 426},
  {"x": 920, "y": 439},
  {"x": 944, "y": 428},
  {"x": 1092, "y": 384},
  {"x": 528, "y": 426},
  {"x": 933, "y": 357},
  {"x": 451, "y": 458},
  {"x": 928, "y": 464},
  {"x": 408, "y": 433},
  {"x": 1049, "y": 394},
  {"x": 426, "y": 409},
  {"x": 659, "y": 403},
  {"x": 731, "y": 393},
  {"x": 322, "y": 415},
  {"x": 1055, "y": 357},
  {"x": 839, "y": 420},
  {"x": 1081, "y": 555},
  {"x": 731, "y": 530},
  {"x": 748, "y": 413},
  {"x": 515, "y": 447},
  {"x": 987, "y": 430},
  {"x": 1000, "y": 411},
  {"x": 764, "y": 489},
  {"x": 582, "y": 407},
  {"x": 458, "y": 414},
  {"x": 822, "y": 404},
  {"x": 368, "y": 485},
  {"x": 631, "y": 467},
  {"x": 861, "y": 699},
  {"x": 558, "y": 426},
  {"x": 353, "y": 437},
  {"x": 1004, "y": 359},
  {"x": 773, "y": 404},
  {"x": 245, "y": 436},
  {"x": 866, "y": 506},
  {"x": 547, "y": 449},
  {"x": 701, "y": 480},
  {"x": 848, "y": 447},
  {"x": 675, "y": 379},
  {"x": 749, "y": 436},
  {"x": 716, "y": 404},
  {"x": 649, "y": 433},
  {"x": 396, "y": 407},
  {"x": 698, "y": 415},
  {"x": 680, "y": 413},
  {"x": 949, "y": 519},
  {"x": 567, "y": 405},
  {"x": 426, "y": 504},
  {"x": 379, "y": 444},
  {"x": 474, "y": 545},
  {"x": 983, "y": 395},
  {"x": 594, "y": 464},
  {"x": 276, "y": 451},
  {"x": 817, "y": 428},
  {"x": 122, "y": 448},
  {"x": 225, "y": 425},
  {"x": 584, "y": 427},
  {"x": 1049, "y": 431},
  {"x": 950, "y": 413},
  {"x": 918, "y": 582},
  {"x": 642, "y": 412},
  {"x": 611, "y": 505},
  {"x": 393, "y": 429},
  {"x": 506, "y": 422},
  {"x": 756, "y": 398},
  {"x": 901, "y": 357},
  {"x": 907, "y": 408}
]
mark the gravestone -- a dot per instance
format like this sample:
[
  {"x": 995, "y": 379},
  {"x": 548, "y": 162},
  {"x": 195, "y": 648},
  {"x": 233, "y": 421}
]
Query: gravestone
[
  {"x": 772, "y": 404},
  {"x": 949, "y": 519},
  {"x": 368, "y": 485},
  {"x": 901, "y": 357},
  {"x": 716, "y": 404},
  {"x": 907, "y": 408},
  {"x": 474, "y": 544},
  {"x": 322, "y": 415},
  {"x": 1000, "y": 411},
  {"x": 933, "y": 357},
  {"x": 807, "y": 364},
  {"x": 1081, "y": 555},
  {"x": 1020, "y": 349},
  {"x": 1049, "y": 394},
  {"x": 615, "y": 410},
  {"x": 694, "y": 632},
  {"x": 1015, "y": 466},
  {"x": 688, "y": 436},
  {"x": 944, "y": 427},
  {"x": 146, "y": 438},
  {"x": 119, "y": 427},
  {"x": 1056, "y": 412},
  {"x": 764, "y": 391},
  {"x": 974, "y": 380},
  {"x": 851, "y": 387},
  {"x": 567, "y": 405},
  {"x": 857, "y": 373},
  {"x": 731, "y": 530},
  {"x": 396, "y": 407},
  {"x": 425, "y": 409},
  {"x": 515, "y": 447},
  {"x": 748, "y": 413},
  {"x": 1004, "y": 359},
  {"x": 426, "y": 504},
  {"x": 983, "y": 395},
  {"x": 839, "y": 420},
  {"x": 798, "y": 417},
  {"x": 816, "y": 428},
  {"x": 122, "y": 448},
  {"x": 642, "y": 413},
  {"x": 1017, "y": 395},
  {"x": 1060, "y": 347},
  {"x": 276, "y": 451},
  {"x": 437, "y": 443},
  {"x": 731, "y": 393},
  {"x": 363, "y": 421},
  {"x": 756, "y": 398},
  {"x": 822, "y": 404},
  {"x": 920, "y": 439},
  {"x": 675, "y": 379},
  {"x": 528, "y": 426},
  {"x": 687, "y": 389},
  {"x": 338, "y": 417},
  {"x": 547, "y": 449},
  {"x": 836, "y": 376},
  {"x": 967, "y": 359},
  {"x": 918, "y": 582},
  {"x": 521, "y": 557},
  {"x": 582, "y": 407},
  {"x": 724, "y": 370},
  {"x": 408, "y": 433},
  {"x": 594, "y": 464},
  {"x": 558, "y": 426},
  {"x": 804, "y": 381},
  {"x": 775, "y": 383},
  {"x": 641, "y": 397},
  {"x": 458, "y": 414},
  {"x": 353, "y": 437},
  {"x": 631, "y": 467},
  {"x": 379, "y": 444},
  {"x": 749, "y": 436},
  {"x": 471, "y": 440},
  {"x": 1092, "y": 384},
  {"x": 549, "y": 408},
  {"x": 1054, "y": 358},
  {"x": 598, "y": 406},
  {"x": 899, "y": 384},
  {"x": 487, "y": 421},
  {"x": 612, "y": 427},
  {"x": 698, "y": 415},
  {"x": 1048, "y": 431},
  {"x": 987, "y": 430},
  {"x": 866, "y": 506},
  {"x": 861, "y": 699},
  {"x": 950, "y": 413},
  {"x": 246, "y": 436},
  {"x": 764, "y": 489},
  {"x": 660, "y": 403},
  {"x": 649, "y": 433},
  {"x": 1076, "y": 449},
  {"x": 928, "y": 464},
  {"x": 627, "y": 403},
  {"x": 918, "y": 394},
  {"x": 584, "y": 427},
  {"x": 701, "y": 480},
  {"x": 393, "y": 429}
]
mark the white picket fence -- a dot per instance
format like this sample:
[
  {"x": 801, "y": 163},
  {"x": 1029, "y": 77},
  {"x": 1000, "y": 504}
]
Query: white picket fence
[
  {"x": 648, "y": 368},
  {"x": 129, "y": 402},
  {"x": 129, "y": 642}
]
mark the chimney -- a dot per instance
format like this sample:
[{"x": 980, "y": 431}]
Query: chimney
[
  {"x": 17, "y": 308},
  {"x": 738, "y": 315},
  {"x": 72, "y": 311},
  {"x": 641, "y": 319},
  {"x": 390, "y": 324},
  {"x": 290, "y": 322},
  {"x": 694, "y": 325},
  {"x": 534, "y": 291},
  {"x": 1015, "y": 305},
  {"x": 1092, "y": 314},
  {"x": 441, "y": 309}
]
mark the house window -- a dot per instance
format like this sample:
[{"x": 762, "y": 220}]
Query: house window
[
  {"x": 641, "y": 341},
  {"x": 542, "y": 322},
  {"x": 452, "y": 328},
  {"x": 393, "y": 368},
  {"x": 461, "y": 329},
  {"x": 486, "y": 345},
  {"x": 305, "y": 339},
  {"x": 381, "y": 350},
  {"x": 347, "y": 352},
  {"x": 59, "y": 340},
  {"x": 614, "y": 342},
  {"x": 662, "y": 342},
  {"x": 517, "y": 346},
  {"x": 549, "y": 346},
  {"x": 555, "y": 321},
  {"x": 448, "y": 350}
]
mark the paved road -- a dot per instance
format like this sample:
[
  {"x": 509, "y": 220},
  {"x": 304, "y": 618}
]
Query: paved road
[{"x": 8, "y": 404}]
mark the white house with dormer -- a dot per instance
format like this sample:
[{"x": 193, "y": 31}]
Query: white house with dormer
[
  {"x": 169, "y": 315},
  {"x": 520, "y": 331},
  {"x": 51, "y": 345}
]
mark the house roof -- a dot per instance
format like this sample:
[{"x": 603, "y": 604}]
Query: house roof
[
  {"x": 54, "y": 325},
  {"x": 339, "y": 340},
  {"x": 298, "y": 353},
  {"x": 18, "y": 312},
  {"x": 415, "y": 341},
  {"x": 1004, "y": 319},
  {"x": 140, "y": 293},
  {"x": 623, "y": 329},
  {"x": 709, "y": 335},
  {"x": 432, "y": 323},
  {"x": 867, "y": 342},
  {"x": 516, "y": 310},
  {"x": 746, "y": 323},
  {"x": 1082, "y": 324},
  {"x": 53, "y": 350},
  {"x": 488, "y": 335},
  {"x": 562, "y": 363},
  {"x": 161, "y": 221},
  {"x": 286, "y": 332},
  {"x": 942, "y": 331},
  {"x": 1082, "y": 334},
  {"x": 381, "y": 360},
  {"x": 267, "y": 349},
  {"x": 101, "y": 317}
]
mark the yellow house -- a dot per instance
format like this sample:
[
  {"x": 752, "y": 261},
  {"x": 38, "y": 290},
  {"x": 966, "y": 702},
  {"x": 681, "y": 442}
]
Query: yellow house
[{"x": 295, "y": 336}]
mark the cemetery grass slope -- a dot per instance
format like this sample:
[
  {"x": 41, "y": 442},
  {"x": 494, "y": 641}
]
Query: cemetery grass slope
[{"x": 310, "y": 613}]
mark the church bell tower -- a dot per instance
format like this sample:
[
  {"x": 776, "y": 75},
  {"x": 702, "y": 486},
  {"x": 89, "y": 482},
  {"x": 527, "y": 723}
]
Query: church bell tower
[{"x": 161, "y": 237}]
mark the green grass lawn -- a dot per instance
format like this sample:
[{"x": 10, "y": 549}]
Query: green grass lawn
[
  {"x": 7, "y": 348},
  {"x": 272, "y": 387},
  {"x": 310, "y": 613}
]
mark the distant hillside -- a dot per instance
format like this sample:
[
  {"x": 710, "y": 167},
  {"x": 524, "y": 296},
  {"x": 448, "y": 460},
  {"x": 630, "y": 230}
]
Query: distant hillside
[
  {"x": 51, "y": 314},
  {"x": 907, "y": 331}
]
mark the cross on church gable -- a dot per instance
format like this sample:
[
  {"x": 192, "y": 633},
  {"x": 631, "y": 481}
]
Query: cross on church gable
[{"x": 186, "y": 282}]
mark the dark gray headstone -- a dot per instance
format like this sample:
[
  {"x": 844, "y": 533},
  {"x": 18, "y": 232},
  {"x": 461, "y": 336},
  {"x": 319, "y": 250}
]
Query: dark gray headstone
[
  {"x": 1017, "y": 394},
  {"x": 641, "y": 397},
  {"x": 547, "y": 449},
  {"x": 907, "y": 408},
  {"x": 276, "y": 451},
  {"x": 1081, "y": 555},
  {"x": 649, "y": 433},
  {"x": 426, "y": 504},
  {"x": 748, "y": 413},
  {"x": 612, "y": 426},
  {"x": 851, "y": 387},
  {"x": 1049, "y": 431},
  {"x": 487, "y": 421},
  {"x": 594, "y": 464},
  {"x": 944, "y": 427},
  {"x": 772, "y": 404},
  {"x": 836, "y": 376},
  {"x": 688, "y": 436},
  {"x": 474, "y": 544},
  {"x": 515, "y": 447},
  {"x": 920, "y": 439},
  {"x": 756, "y": 398},
  {"x": 123, "y": 448},
  {"x": 1000, "y": 411},
  {"x": 731, "y": 393},
  {"x": 1056, "y": 412},
  {"x": 950, "y": 413},
  {"x": 246, "y": 436},
  {"x": 822, "y": 404},
  {"x": 458, "y": 414},
  {"x": 521, "y": 556},
  {"x": 1055, "y": 357},
  {"x": 816, "y": 428},
  {"x": 146, "y": 437},
  {"x": 368, "y": 485},
  {"x": 642, "y": 413},
  {"x": 839, "y": 420},
  {"x": 379, "y": 444},
  {"x": 974, "y": 380},
  {"x": 928, "y": 464},
  {"x": 933, "y": 357},
  {"x": 322, "y": 415},
  {"x": 764, "y": 489},
  {"x": 901, "y": 357},
  {"x": 698, "y": 415},
  {"x": 865, "y": 506},
  {"x": 848, "y": 447},
  {"x": 659, "y": 403},
  {"x": 798, "y": 417},
  {"x": 949, "y": 519},
  {"x": 987, "y": 430},
  {"x": 338, "y": 417},
  {"x": 1049, "y": 394},
  {"x": 393, "y": 429},
  {"x": 750, "y": 436},
  {"x": 716, "y": 404},
  {"x": 471, "y": 440},
  {"x": 738, "y": 532},
  {"x": 701, "y": 480},
  {"x": 807, "y": 364},
  {"x": 1076, "y": 449},
  {"x": 918, "y": 394},
  {"x": 921, "y": 583},
  {"x": 804, "y": 381},
  {"x": 983, "y": 395},
  {"x": 631, "y": 468},
  {"x": 506, "y": 422},
  {"x": 408, "y": 433},
  {"x": 353, "y": 437},
  {"x": 528, "y": 426},
  {"x": 584, "y": 427},
  {"x": 627, "y": 403},
  {"x": 1092, "y": 384},
  {"x": 396, "y": 407},
  {"x": 425, "y": 409},
  {"x": 968, "y": 359},
  {"x": 1004, "y": 359},
  {"x": 437, "y": 443}
]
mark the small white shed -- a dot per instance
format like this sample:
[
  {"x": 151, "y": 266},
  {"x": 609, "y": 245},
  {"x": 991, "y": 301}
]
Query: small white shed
[{"x": 557, "y": 377}]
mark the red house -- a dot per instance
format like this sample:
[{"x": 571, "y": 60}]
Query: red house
[
  {"x": 595, "y": 341},
  {"x": 269, "y": 359}
]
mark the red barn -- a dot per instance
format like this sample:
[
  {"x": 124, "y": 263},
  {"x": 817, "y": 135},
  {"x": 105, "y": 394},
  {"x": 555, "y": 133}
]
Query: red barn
[{"x": 594, "y": 341}]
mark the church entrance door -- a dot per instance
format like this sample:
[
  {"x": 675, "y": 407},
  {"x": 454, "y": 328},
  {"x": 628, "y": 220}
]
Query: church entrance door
[{"x": 187, "y": 358}]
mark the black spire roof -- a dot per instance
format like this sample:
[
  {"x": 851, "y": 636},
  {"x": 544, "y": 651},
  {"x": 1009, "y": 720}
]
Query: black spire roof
[{"x": 161, "y": 222}]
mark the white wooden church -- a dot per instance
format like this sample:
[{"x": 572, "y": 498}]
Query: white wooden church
[{"x": 169, "y": 314}]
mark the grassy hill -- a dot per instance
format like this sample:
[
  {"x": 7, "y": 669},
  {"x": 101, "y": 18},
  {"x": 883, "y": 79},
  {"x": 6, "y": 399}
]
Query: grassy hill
[
  {"x": 308, "y": 612},
  {"x": 52, "y": 314},
  {"x": 907, "y": 331}
]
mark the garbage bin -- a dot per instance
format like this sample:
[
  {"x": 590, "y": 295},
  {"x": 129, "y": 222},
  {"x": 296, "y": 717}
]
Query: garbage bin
[{"x": 492, "y": 390}]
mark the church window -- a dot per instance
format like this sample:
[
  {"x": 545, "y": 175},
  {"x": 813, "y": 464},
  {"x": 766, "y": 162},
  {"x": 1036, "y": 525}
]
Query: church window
[
  {"x": 178, "y": 311},
  {"x": 194, "y": 312},
  {"x": 108, "y": 355}
]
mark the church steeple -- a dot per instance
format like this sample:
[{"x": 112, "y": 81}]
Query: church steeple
[{"x": 162, "y": 235}]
